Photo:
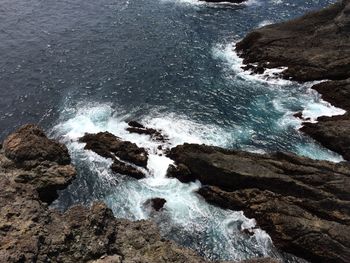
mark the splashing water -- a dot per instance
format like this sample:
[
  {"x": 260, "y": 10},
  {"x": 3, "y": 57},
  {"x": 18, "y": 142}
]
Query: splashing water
[{"x": 187, "y": 218}]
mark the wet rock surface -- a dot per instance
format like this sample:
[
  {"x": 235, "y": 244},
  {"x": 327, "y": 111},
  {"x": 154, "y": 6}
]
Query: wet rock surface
[
  {"x": 126, "y": 155},
  {"x": 155, "y": 204},
  {"x": 136, "y": 127},
  {"x": 313, "y": 47},
  {"x": 303, "y": 204},
  {"x": 31, "y": 232},
  {"x": 333, "y": 132}
]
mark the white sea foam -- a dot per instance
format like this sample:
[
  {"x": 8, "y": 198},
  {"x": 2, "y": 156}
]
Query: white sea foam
[
  {"x": 227, "y": 53},
  {"x": 265, "y": 23}
]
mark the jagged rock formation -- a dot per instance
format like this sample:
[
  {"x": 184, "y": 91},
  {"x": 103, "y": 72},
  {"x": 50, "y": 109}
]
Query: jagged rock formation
[
  {"x": 136, "y": 127},
  {"x": 313, "y": 47},
  {"x": 110, "y": 146},
  {"x": 303, "y": 204},
  {"x": 32, "y": 169}
]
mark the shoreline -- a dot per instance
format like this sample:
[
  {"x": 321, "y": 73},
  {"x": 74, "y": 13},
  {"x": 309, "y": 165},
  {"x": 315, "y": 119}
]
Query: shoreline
[{"x": 313, "y": 47}]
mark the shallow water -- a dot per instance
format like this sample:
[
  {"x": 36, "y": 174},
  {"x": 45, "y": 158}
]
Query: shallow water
[{"x": 88, "y": 66}]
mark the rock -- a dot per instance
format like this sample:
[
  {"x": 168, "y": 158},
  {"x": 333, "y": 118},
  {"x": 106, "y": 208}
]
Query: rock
[
  {"x": 109, "y": 146},
  {"x": 181, "y": 172},
  {"x": 138, "y": 128},
  {"x": 30, "y": 143},
  {"x": 155, "y": 203},
  {"x": 135, "y": 124},
  {"x": 30, "y": 158},
  {"x": 303, "y": 204},
  {"x": 298, "y": 115},
  {"x": 313, "y": 47},
  {"x": 333, "y": 133},
  {"x": 123, "y": 168},
  {"x": 337, "y": 92}
]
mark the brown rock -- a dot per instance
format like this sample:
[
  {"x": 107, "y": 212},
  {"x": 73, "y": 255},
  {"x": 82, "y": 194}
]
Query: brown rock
[
  {"x": 303, "y": 204},
  {"x": 30, "y": 143}
]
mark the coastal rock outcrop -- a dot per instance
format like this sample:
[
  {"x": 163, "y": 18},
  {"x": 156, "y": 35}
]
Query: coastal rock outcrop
[
  {"x": 303, "y": 204},
  {"x": 333, "y": 132},
  {"x": 32, "y": 232},
  {"x": 313, "y": 47},
  {"x": 121, "y": 152}
]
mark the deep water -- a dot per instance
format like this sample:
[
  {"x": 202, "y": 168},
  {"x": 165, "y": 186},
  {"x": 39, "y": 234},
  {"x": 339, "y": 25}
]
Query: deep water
[{"x": 88, "y": 66}]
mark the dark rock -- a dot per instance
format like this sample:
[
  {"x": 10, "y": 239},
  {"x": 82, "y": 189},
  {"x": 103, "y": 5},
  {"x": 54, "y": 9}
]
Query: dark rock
[
  {"x": 155, "y": 203},
  {"x": 127, "y": 169},
  {"x": 180, "y": 172},
  {"x": 135, "y": 127},
  {"x": 335, "y": 92},
  {"x": 30, "y": 143},
  {"x": 109, "y": 146},
  {"x": 333, "y": 133},
  {"x": 135, "y": 124},
  {"x": 302, "y": 203},
  {"x": 298, "y": 115},
  {"x": 313, "y": 47}
]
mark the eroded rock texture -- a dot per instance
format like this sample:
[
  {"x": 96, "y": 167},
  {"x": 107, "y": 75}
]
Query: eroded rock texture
[{"x": 303, "y": 204}]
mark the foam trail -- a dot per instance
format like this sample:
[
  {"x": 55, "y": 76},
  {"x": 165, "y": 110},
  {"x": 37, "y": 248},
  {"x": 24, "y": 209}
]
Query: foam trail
[{"x": 286, "y": 96}]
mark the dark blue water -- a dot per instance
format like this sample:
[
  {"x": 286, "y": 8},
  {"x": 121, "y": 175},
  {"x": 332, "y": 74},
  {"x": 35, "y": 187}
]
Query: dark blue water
[{"x": 87, "y": 66}]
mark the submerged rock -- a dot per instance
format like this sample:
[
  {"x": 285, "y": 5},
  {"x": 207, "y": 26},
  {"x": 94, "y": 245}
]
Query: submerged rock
[
  {"x": 313, "y": 47},
  {"x": 302, "y": 203}
]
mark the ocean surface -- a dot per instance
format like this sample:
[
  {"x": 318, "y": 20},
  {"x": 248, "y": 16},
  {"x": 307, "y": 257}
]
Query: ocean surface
[{"x": 87, "y": 66}]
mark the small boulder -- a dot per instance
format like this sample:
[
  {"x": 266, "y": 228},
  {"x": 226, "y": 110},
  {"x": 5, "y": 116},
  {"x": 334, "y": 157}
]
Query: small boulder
[{"x": 155, "y": 203}]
